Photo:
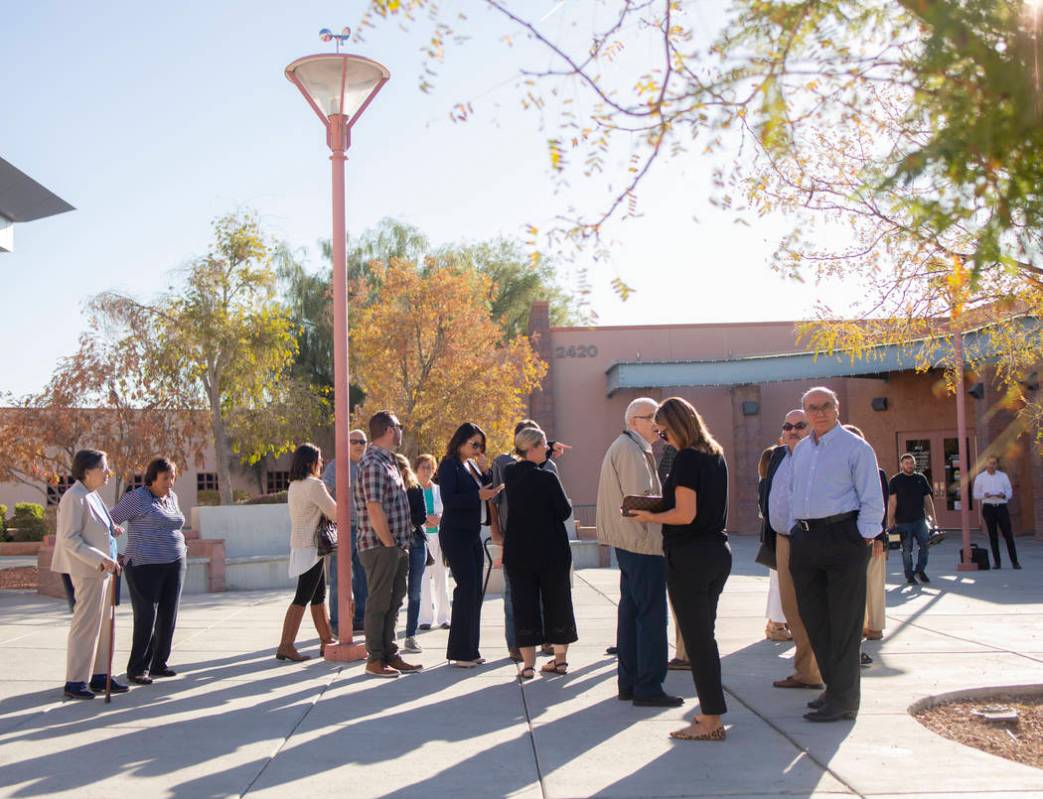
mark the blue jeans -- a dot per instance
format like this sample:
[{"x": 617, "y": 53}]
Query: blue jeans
[
  {"x": 417, "y": 561},
  {"x": 909, "y": 531},
  {"x": 641, "y": 624},
  {"x": 358, "y": 585}
]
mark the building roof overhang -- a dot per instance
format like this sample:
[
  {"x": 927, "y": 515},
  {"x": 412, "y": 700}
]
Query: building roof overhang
[
  {"x": 875, "y": 362},
  {"x": 22, "y": 199}
]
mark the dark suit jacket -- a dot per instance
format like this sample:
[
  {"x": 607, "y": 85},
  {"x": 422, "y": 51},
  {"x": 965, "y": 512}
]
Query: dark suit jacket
[
  {"x": 461, "y": 505},
  {"x": 764, "y": 490}
]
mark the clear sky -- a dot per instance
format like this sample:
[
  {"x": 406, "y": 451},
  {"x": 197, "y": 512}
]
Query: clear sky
[{"x": 153, "y": 119}]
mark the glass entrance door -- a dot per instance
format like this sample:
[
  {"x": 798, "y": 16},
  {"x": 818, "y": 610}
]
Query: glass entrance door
[{"x": 937, "y": 456}]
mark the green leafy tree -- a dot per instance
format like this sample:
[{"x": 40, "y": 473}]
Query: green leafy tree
[{"x": 228, "y": 342}]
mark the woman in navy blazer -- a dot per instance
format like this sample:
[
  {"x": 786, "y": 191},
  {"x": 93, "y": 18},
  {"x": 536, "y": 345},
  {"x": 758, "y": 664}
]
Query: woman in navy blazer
[{"x": 462, "y": 486}]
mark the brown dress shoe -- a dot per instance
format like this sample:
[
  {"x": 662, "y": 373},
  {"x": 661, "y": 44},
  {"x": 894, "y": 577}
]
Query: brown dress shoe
[
  {"x": 377, "y": 668},
  {"x": 406, "y": 668},
  {"x": 793, "y": 682}
]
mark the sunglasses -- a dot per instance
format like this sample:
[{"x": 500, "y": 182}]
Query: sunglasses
[
  {"x": 359, "y": 442},
  {"x": 798, "y": 426}
]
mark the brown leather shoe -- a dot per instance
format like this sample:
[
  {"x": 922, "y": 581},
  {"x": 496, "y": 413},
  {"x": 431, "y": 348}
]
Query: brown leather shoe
[
  {"x": 406, "y": 668},
  {"x": 793, "y": 682},
  {"x": 377, "y": 668}
]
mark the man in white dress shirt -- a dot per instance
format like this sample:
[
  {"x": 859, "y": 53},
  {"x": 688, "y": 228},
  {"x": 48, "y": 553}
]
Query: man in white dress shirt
[{"x": 992, "y": 491}]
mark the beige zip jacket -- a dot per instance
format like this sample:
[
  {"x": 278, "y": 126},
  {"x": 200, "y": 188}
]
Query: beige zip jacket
[{"x": 628, "y": 468}]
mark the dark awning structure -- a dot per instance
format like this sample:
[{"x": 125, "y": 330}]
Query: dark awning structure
[
  {"x": 757, "y": 369},
  {"x": 22, "y": 199}
]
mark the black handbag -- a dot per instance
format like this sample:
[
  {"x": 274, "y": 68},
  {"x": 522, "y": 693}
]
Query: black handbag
[
  {"x": 766, "y": 556},
  {"x": 326, "y": 537}
]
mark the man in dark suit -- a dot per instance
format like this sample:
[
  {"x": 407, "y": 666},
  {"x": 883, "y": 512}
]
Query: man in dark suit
[{"x": 774, "y": 504}]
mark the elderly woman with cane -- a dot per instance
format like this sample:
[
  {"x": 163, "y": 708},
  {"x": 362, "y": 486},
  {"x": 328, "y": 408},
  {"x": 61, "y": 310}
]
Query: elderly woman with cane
[{"x": 85, "y": 549}]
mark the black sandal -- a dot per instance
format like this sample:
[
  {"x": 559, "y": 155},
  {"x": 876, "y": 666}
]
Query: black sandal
[
  {"x": 556, "y": 667},
  {"x": 527, "y": 673}
]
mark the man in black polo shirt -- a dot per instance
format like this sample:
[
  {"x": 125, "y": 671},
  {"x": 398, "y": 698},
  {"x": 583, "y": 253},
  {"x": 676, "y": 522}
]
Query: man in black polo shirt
[{"x": 910, "y": 508}]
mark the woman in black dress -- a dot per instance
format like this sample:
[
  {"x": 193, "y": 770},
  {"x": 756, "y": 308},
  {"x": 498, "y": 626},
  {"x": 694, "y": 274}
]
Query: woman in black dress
[
  {"x": 464, "y": 491},
  {"x": 698, "y": 558},
  {"x": 537, "y": 555}
]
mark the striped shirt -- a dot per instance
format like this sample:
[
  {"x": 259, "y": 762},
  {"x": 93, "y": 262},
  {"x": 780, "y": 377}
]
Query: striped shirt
[{"x": 153, "y": 527}]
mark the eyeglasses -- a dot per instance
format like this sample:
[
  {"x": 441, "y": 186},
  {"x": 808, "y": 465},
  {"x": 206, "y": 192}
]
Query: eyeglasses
[
  {"x": 648, "y": 417},
  {"x": 825, "y": 407},
  {"x": 798, "y": 426},
  {"x": 359, "y": 441}
]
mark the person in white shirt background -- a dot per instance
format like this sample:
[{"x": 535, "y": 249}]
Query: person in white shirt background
[{"x": 992, "y": 490}]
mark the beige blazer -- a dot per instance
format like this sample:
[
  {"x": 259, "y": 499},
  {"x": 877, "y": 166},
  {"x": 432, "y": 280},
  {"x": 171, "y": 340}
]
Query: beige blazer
[
  {"x": 308, "y": 501},
  {"x": 81, "y": 543},
  {"x": 627, "y": 469}
]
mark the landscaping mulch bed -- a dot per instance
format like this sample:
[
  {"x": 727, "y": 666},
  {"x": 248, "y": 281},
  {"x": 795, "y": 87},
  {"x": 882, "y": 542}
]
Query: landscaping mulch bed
[
  {"x": 19, "y": 578},
  {"x": 1021, "y": 741}
]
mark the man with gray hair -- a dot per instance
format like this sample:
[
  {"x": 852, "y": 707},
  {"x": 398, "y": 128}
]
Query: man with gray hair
[
  {"x": 629, "y": 468},
  {"x": 836, "y": 507}
]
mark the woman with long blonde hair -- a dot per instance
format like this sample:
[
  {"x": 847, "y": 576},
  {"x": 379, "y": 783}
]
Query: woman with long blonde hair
[{"x": 698, "y": 558}]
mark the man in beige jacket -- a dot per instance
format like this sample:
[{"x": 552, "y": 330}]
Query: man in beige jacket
[{"x": 629, "y": 468}]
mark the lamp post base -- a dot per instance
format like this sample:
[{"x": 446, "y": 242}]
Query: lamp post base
[
  {"x": 960, "y": 567},
  {"x": 345, "y": 652}
]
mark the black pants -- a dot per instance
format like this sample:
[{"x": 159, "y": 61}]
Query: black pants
[
  {"x": 463, "y": 550},
  {"x": 999, "y": 515},
  {"x": 828, "y": 566},
  {"x": 311, "y": 586},
  {"x": 695, "y": 576},
  {"x": 550, "y": 586},
  {"x": 155, "y": 594}
]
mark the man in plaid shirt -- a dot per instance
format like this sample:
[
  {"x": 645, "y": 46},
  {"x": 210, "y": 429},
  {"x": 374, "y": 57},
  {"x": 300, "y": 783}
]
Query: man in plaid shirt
[{"x": 384, "y": 533}]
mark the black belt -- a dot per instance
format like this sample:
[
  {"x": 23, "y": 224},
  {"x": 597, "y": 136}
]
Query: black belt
[{"x": 807, "y": 525}]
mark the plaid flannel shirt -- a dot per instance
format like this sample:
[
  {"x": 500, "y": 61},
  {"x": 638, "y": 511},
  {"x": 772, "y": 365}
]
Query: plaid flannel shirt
[{"x": 380, "y": 481}]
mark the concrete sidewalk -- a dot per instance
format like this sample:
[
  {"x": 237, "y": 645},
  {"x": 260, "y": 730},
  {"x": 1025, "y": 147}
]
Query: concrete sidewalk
[{"x": 235, "y": 722}]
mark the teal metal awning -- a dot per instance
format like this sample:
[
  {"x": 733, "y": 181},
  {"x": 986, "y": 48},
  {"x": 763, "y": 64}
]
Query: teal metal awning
[{"x": 877, "y": 362}]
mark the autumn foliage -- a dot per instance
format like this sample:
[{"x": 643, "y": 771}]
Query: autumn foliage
[{"x": 429, "y": 350}]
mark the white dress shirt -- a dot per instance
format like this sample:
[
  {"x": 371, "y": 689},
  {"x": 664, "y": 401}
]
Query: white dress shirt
[{"x": 998, "y": 483}]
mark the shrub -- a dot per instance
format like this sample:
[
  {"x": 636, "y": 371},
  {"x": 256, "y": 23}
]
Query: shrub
[
  {"x": 3, "y": 521},
  {"x": 29, "y": 520},
  {"x": 278, "y": 498},
  {"x": 241, "y": 495},
  {"x": 208, "y": 497}
]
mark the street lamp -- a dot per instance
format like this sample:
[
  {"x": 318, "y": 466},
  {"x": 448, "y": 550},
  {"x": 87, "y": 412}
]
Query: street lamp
[{"x": 339, "y": 87}]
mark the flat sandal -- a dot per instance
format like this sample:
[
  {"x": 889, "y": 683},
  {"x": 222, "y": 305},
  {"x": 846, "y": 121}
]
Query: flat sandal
[
  {"x": 555, "y": 667},
  {"x": 714, "y": 735},
  {"x": 527, "y": 673}
]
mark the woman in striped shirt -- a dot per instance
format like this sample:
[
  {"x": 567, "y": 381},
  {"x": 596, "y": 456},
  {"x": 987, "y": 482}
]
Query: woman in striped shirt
[{"x": 156, "y": 560}]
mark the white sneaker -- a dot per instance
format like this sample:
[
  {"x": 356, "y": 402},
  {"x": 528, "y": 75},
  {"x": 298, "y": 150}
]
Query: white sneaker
[{"x": 410, "y": 646}]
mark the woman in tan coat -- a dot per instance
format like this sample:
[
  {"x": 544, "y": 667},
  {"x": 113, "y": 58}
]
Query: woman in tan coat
[
  {"x": 85, "y": 549},
  {"x": 309, "y": 501}
]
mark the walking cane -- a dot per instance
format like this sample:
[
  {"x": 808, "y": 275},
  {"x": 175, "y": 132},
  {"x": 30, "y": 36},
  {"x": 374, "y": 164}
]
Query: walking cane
[{"x": 112, "y": 638}]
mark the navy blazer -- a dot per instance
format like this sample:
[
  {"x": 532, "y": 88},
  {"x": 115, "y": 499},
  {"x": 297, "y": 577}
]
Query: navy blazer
[
  {"x": 764, "y": 490},
  {"x": 461, "y": 505}
]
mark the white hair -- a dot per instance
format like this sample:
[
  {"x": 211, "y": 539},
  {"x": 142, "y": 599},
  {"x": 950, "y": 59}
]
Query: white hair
[
  {"x": 820, "y": 390},
  {"x": 636, "y": 407}
]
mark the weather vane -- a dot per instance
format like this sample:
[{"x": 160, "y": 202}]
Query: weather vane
[{"x": 327, "y": 35}]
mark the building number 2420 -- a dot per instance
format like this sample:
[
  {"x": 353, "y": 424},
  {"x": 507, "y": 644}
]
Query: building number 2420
[{"x": 582, "y": 351}]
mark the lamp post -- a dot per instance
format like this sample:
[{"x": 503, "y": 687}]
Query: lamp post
[{"x": 339, "y": 87}]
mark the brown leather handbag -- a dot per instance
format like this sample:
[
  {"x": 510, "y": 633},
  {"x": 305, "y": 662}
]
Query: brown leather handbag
[{"x": 651, "y": 503}]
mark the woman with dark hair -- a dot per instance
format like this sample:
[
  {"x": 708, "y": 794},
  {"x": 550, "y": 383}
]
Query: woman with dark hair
[
  {"x": 308, "y": 501},
  {"x": 156, "y": 561},
  {"x": 85, "y": 549},
  {"x": 698, "y": 558},
  {"x": 464, "y": 491},
  {"x": 417, "y": 550},
  {"x": 537, "y": 555}
]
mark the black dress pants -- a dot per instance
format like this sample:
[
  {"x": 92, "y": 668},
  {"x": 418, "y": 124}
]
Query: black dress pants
[
  {"x": 998, "y": 516},
  {"x": 155, "y": 594},
  {"x": 695, "y": 576},
  {"x": 828, "y": 566},
  {"x": 547, "y": 588},
  {"x": 463, "y": 550}
]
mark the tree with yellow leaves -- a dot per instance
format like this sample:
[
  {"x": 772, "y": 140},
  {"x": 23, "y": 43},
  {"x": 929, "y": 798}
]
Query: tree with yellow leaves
[{"x": 429, "y": 350}]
